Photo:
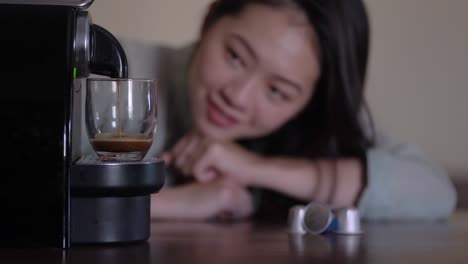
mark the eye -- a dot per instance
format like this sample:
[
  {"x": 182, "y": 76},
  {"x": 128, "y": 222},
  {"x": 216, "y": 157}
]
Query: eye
[
  {"x": 233, "y": 58},
  {"x": 277, "y": 94}
]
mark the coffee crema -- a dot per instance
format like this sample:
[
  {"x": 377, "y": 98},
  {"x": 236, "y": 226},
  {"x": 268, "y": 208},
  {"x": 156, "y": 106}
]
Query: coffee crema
[{"x": 121, "y": 142}]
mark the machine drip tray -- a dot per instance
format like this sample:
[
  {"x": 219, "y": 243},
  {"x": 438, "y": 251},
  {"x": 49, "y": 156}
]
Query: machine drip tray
[
  {"x": 110, "y": 202},
  {"x": 93, "y": 178}
]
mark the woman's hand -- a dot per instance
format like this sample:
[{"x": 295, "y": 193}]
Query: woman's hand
[
  {"x": 206, "y": 159},
  {"x": 202, "y": 201}
]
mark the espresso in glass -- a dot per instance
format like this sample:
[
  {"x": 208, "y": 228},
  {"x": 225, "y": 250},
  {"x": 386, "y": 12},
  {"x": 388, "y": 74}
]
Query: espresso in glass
[{"x": 121, "y": 117}]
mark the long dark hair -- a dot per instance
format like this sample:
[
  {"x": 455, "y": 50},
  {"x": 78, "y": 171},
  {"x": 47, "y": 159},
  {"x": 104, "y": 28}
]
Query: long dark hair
[{"x": 331, "y": 124}]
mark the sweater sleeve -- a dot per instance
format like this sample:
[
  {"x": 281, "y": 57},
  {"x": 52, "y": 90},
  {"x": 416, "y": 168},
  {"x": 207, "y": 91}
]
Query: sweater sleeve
[{"x": 403, "y": 185}]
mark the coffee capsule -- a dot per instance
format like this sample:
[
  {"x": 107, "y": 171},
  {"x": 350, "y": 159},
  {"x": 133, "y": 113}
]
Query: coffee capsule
[
  {"x": 318, "y": 218},
  {"x": 348, "y": 221},
  {"x": 295, "y": 220}
]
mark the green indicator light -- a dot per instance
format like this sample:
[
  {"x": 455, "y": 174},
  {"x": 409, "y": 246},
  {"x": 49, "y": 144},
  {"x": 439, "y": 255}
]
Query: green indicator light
[{"x": 74, "y": 73}]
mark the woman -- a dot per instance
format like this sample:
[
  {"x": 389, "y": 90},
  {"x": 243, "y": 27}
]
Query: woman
[{"x": 267, "y": 110}]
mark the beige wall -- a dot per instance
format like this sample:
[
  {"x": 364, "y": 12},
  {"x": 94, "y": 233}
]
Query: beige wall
[
  {"x": 418, "y": 78},
  {"x": 166, "y": 21}
]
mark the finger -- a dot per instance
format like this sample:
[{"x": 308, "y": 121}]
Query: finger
[
  {"x": 242, "y": 203},
  {"x": 185, "y": 156},
  {"x": 180, "y": 145},
  {"x": 245, "y": 205},
  {"x": 204, "y": 170},
  {"x": 225, "y": 215},
  {"x": 167, "y": 158},
  {"x": 198, "y": 151},
  {"x": 211, "y": 174}
]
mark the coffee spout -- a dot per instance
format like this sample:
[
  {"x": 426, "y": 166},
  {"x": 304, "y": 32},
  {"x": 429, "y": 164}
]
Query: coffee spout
[{"x": 107, "y": 55}]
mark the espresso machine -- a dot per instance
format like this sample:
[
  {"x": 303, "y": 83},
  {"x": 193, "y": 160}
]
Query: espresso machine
[{"x": 52, "y": 193}]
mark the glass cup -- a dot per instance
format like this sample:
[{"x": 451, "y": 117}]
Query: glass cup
[{"x": 121, "y": 117}]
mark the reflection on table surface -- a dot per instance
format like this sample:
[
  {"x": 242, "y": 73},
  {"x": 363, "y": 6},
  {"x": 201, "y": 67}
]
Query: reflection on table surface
[{"x": 246, "y": 242}]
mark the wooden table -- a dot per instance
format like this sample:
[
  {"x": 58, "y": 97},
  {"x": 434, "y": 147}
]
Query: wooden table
[{"x": 181, "y": 242}]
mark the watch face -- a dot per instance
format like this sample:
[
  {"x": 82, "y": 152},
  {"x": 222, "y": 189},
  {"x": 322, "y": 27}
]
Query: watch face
[{"x": 76, "y": 3}]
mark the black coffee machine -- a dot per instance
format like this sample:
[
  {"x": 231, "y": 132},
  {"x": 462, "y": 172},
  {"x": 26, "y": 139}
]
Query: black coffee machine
[{"x": 51, "y": 193}]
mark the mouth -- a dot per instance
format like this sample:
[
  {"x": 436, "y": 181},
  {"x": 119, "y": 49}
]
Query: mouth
[{"x": 217, "y": 116}]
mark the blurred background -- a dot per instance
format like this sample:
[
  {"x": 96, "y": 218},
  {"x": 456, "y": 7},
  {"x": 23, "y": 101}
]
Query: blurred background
[{"x": 418, "y": 74}]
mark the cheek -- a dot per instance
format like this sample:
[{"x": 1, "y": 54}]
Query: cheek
[{"x": 209, "y": 69}]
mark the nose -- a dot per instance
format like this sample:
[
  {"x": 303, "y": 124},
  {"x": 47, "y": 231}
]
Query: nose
[{"x": 240, "y": 93}]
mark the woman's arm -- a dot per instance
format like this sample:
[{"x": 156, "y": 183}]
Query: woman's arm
[
  {"x": 202, "y": 201},
  {"x": 334, "y": 182}
]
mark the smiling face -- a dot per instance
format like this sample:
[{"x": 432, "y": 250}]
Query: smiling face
[{"x": 253, "y": 72}]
